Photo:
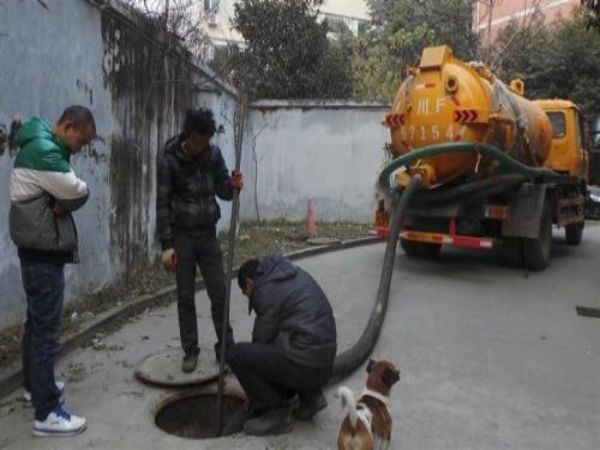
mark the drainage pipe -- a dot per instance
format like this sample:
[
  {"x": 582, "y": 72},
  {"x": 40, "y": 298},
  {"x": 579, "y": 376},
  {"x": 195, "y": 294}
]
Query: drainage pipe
[
  {"x": 350, "y": 360},
  {"x": 487, "y": 150},
  {"x": 469, "y": 191}
]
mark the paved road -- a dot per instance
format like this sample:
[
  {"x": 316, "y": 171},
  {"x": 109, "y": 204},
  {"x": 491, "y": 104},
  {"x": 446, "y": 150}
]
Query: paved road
[{"x": 491, "y": 358}]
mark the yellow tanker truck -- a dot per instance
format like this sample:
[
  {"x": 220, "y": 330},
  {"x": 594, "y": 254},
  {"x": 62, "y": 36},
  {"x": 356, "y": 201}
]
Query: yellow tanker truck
[{"x": 496, "y": 170}]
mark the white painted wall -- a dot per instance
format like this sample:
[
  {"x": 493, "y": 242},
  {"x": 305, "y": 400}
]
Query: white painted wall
[
  {"x": 45, "y": 70},
  {"x": 329, "y": 152}
]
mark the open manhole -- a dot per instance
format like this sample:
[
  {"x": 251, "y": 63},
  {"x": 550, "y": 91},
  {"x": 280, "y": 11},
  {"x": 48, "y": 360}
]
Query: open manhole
[
  {"x": 588, "y": 311},
  {"x": 195, "y": 416}
]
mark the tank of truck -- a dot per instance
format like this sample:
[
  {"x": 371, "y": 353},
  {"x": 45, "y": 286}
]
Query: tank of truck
[{"x": 445, "y": 99}]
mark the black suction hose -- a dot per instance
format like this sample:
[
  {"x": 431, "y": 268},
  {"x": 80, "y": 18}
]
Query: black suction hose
[
  {"x": 496, "y": 184},
  {"x": 351, "y": 359}
]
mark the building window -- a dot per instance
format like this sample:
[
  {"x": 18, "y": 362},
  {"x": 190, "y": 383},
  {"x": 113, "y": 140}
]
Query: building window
[
  {"x": 211, "y": 5},
  {"x": 211, "y": 10}
]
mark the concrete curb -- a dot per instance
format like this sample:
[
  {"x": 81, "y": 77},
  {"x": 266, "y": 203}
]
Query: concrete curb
[{"x": 14, "y": 379}]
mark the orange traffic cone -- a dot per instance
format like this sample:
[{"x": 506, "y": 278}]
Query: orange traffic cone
[{"x": 311, "y": 219}]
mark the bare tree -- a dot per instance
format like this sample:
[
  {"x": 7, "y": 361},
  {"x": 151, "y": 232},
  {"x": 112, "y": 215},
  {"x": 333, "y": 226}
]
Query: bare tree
[
  {"x": 488, "y": 14},
  {"x": 183, "y": 19},
  {"x": 494, "y": 53}
]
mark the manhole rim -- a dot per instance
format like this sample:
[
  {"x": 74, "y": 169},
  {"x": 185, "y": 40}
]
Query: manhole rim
[
  {"x": 324, "y": 241},
  {"x": 184, "y": 384}
]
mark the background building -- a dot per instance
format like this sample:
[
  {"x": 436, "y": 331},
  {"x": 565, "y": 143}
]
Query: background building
[
  {"x": 490, "y": 20},
  {"x": 217, "y": 16}
]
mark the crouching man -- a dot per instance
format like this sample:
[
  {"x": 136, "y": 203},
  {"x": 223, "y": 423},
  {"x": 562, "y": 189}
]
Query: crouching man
[{"x": 293, "y": 345}]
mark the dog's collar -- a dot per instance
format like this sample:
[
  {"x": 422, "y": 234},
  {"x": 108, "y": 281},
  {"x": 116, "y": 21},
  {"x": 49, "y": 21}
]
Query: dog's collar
[{"x": 382, "y": 398}]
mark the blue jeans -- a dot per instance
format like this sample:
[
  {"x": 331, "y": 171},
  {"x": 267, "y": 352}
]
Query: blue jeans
[{"x": 44, "y": 285}]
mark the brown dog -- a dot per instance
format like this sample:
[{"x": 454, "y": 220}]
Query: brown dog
[{"x": 368, "y": 423}]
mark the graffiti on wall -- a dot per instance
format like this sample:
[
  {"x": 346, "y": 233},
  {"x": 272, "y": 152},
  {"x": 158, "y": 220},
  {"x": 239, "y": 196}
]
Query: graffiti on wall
[{"x": 8, "y": 137}]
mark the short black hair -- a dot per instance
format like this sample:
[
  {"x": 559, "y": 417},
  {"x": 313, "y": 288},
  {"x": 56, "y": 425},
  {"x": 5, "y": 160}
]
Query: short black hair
[
  {"x": 248, "y": 270},
  {"x": 199, "y": 121},
  {"x": 80, "y": 116}
]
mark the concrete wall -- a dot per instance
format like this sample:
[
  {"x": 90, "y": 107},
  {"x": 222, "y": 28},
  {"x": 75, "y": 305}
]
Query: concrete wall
[
  {"x": 115, "y": 63},
  {"x": 110, "y": 61},
  {"x": 328, "y": 151}
]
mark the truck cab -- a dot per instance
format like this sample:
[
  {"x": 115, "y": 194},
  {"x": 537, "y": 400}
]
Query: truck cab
[{"x": 569, "y": 153}]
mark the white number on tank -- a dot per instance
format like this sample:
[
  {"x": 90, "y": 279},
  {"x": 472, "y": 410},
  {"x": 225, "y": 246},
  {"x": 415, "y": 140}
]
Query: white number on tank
[
  {"x": 433, "y": 133},
  {"x": 439, "y": 104},
  {"x": 423, "y": 109},
  {"x": 403, "y": 133}
]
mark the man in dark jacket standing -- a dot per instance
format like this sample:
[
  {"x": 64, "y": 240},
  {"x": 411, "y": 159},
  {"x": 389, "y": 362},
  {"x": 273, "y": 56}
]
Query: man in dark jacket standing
[
  {"x": 293, "y": 344},
  {"x": 191, "y": 173}
]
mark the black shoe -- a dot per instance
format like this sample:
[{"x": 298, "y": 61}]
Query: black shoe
[
  {"x": 274, "y": 421},
  {"x": 309, "y": 406},
  {"x": 235, "y": 421},
  {"x": 189, "y": 363}
]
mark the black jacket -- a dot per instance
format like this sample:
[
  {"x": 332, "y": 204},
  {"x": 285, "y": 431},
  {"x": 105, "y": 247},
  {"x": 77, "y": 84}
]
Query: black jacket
[
  {"x": 186, "y": 190},
  {"x": 293, "y": 313}
]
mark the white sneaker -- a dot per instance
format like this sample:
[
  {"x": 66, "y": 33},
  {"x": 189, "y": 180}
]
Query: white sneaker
[
  {"x": 60, "y": 385},
  {"x": 59, "y": 423}
]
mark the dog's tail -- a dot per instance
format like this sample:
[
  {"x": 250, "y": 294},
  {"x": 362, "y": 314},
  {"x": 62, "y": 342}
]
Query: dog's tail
[{"x": 348, "y": 402}]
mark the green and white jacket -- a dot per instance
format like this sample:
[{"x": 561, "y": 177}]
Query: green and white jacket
[{"x": 42, "y": 176}]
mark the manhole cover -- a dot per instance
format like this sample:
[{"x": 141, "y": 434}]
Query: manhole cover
[
  {"x": 164, "y": 368},
  {"x": 588, "y": 311},
  {"x": 323, "y": 241},
  {"x": 195, "y": 416}
]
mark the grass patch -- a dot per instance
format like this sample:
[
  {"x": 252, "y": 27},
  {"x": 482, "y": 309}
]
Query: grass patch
[{"x": 253, "y": 240}]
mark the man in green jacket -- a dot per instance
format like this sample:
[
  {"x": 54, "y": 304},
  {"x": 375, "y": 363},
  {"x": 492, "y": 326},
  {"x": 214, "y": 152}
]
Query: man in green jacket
[{"x": 44, "y": 190}]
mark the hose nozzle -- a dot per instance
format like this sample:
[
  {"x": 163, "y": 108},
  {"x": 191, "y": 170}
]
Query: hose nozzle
[{"x": 425, "y": 170}]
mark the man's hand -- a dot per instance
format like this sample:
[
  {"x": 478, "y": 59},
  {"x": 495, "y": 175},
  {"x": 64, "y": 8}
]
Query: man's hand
[
  {"x": 169, "y": 260},
  {"x": 237, "y": 180},
  {"x": 58, "y": 209}
]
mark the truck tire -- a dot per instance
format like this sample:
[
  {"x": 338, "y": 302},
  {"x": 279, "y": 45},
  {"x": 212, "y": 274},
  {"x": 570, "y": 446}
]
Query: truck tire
[
  {"x": 414, "y": 249},
  {"x": 512, "y": 251},
  {"x": 536, "y": 252},
  {"x": 430, "y": 250},
  {"x": 574, "y": 233}
]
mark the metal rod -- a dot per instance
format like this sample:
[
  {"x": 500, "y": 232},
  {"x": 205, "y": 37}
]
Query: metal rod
[{"x": 235, "y": 209}]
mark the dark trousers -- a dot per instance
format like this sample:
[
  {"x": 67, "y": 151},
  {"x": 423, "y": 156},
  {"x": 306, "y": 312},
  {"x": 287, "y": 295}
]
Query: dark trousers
[
  {"x": 44, "y": 285},
  {"x": 206, "y": 253},
  {"x": 269, "y": 378}
]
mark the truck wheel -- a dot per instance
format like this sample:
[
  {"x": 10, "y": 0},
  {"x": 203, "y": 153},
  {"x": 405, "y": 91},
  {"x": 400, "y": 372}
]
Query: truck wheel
[
  {"x": 430, "y": 250},
  {"x": 411, "y": 249},
  {"x": 414, "y": 249},
  {"x": 536, "y": 252},
  {"x": 574, "y": 233},
  {"x": 512, "y": 251}
]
